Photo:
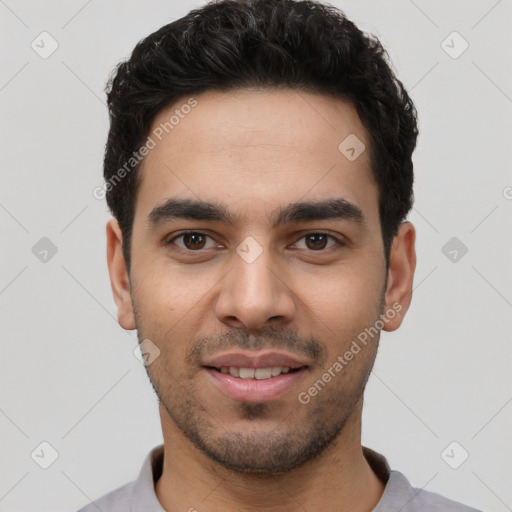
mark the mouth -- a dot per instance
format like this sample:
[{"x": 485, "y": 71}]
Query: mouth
[
  {"x": 255, "y": 373},
  {"x": 255, "y": 378}
]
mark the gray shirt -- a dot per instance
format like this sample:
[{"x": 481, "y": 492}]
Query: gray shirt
[{"x": 139, "y": 496}]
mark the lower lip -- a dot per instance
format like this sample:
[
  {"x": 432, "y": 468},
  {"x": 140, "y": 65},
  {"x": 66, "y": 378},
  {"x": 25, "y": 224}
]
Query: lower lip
[{"x": 254, "y": 390}]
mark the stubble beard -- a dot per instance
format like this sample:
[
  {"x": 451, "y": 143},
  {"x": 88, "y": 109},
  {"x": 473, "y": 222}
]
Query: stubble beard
[{"x": 289, "y": 445}]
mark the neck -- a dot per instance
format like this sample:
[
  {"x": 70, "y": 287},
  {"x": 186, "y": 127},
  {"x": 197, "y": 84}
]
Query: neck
[{"x": 339, "y": 479}]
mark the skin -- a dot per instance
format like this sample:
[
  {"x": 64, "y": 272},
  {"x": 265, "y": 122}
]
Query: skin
[{"x": 255, "y": 151}]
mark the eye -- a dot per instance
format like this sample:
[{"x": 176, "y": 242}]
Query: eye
[
  {"x": 318, "y": 241},
  {"x": 195, "y": 241},
  {"x": 192, "y": 241}
]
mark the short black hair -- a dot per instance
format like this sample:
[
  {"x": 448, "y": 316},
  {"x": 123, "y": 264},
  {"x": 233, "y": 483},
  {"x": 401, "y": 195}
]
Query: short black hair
[{"x": 239, "y": 44}]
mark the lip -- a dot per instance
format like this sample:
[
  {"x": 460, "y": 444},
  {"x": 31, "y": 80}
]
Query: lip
[
  {"x": 253, "y": 390},
  {"x": 255, "y": 360}
]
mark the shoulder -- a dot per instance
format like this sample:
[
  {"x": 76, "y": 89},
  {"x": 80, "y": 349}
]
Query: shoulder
[
  {"x": 117, "y": 500},
  {"x": 137, "y": 495},
  {"x": 431, "y": 501},
  {"x": 400, "y": 493}
]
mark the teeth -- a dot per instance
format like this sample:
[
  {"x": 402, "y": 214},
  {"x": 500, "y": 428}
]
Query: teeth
[
  {"x": 263, "y": 373},
  {"x": 254, "y": 373},
  {"x": 247, "y": 373}
]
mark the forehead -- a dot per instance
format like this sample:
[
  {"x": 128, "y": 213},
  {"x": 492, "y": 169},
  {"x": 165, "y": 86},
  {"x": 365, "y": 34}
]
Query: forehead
[{"x": 252, "y": 148}]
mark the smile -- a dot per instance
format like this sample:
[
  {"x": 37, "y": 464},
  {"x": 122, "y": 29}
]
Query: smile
[
  {"x": 256, "y": 373},
  {"x": 255, "y": 385}
]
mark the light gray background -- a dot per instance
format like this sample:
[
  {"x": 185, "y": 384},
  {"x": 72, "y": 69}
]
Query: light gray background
[{"x": 68, "y": 375}]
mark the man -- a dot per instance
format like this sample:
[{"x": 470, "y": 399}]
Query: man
[{"x": 259, "y": 171}]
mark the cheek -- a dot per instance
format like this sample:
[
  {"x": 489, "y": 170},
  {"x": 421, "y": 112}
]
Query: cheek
[
  {"x": 170, "y": 304},
  {"x": 167, "y": 289},
  {"x": 340, "y": 308},
  {"x": 346, "y": 295}
]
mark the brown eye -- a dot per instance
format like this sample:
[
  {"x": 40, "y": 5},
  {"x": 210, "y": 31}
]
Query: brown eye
[
  {"x": 318, "y": 241},
  {"x": 192, "y": 241}
]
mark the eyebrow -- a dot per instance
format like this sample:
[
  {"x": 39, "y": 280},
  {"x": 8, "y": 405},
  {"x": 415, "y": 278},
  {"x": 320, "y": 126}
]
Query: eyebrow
[{"x": 337, "y": 208}]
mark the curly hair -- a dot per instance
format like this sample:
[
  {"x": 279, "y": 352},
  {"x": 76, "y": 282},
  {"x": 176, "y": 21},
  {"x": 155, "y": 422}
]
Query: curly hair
[{"x": 235, "y": 44}]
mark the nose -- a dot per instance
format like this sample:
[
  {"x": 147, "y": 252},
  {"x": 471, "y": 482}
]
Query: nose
[{"x": 254, "y": 293}]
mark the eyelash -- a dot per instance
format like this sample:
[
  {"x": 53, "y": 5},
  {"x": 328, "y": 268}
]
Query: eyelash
[{"x": 339, "y": 243}]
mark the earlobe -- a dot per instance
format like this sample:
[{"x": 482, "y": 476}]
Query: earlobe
[
  {"x": 119, "y": 278},
  {"x": 402, "y": 264}
]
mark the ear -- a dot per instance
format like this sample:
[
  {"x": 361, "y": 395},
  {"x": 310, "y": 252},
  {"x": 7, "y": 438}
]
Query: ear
[
  {"x": 402, "y": 263},
  {"x": 119, "y": 279}
]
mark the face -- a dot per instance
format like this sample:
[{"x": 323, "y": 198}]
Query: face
[{"x": 257, "y": 268}]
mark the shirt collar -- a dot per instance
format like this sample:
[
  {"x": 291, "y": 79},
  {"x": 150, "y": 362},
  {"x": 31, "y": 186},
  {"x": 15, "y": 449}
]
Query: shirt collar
[{"x": 143, "y": 495}]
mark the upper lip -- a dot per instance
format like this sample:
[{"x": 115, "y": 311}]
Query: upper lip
[{"x": 257, "y": 360}]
